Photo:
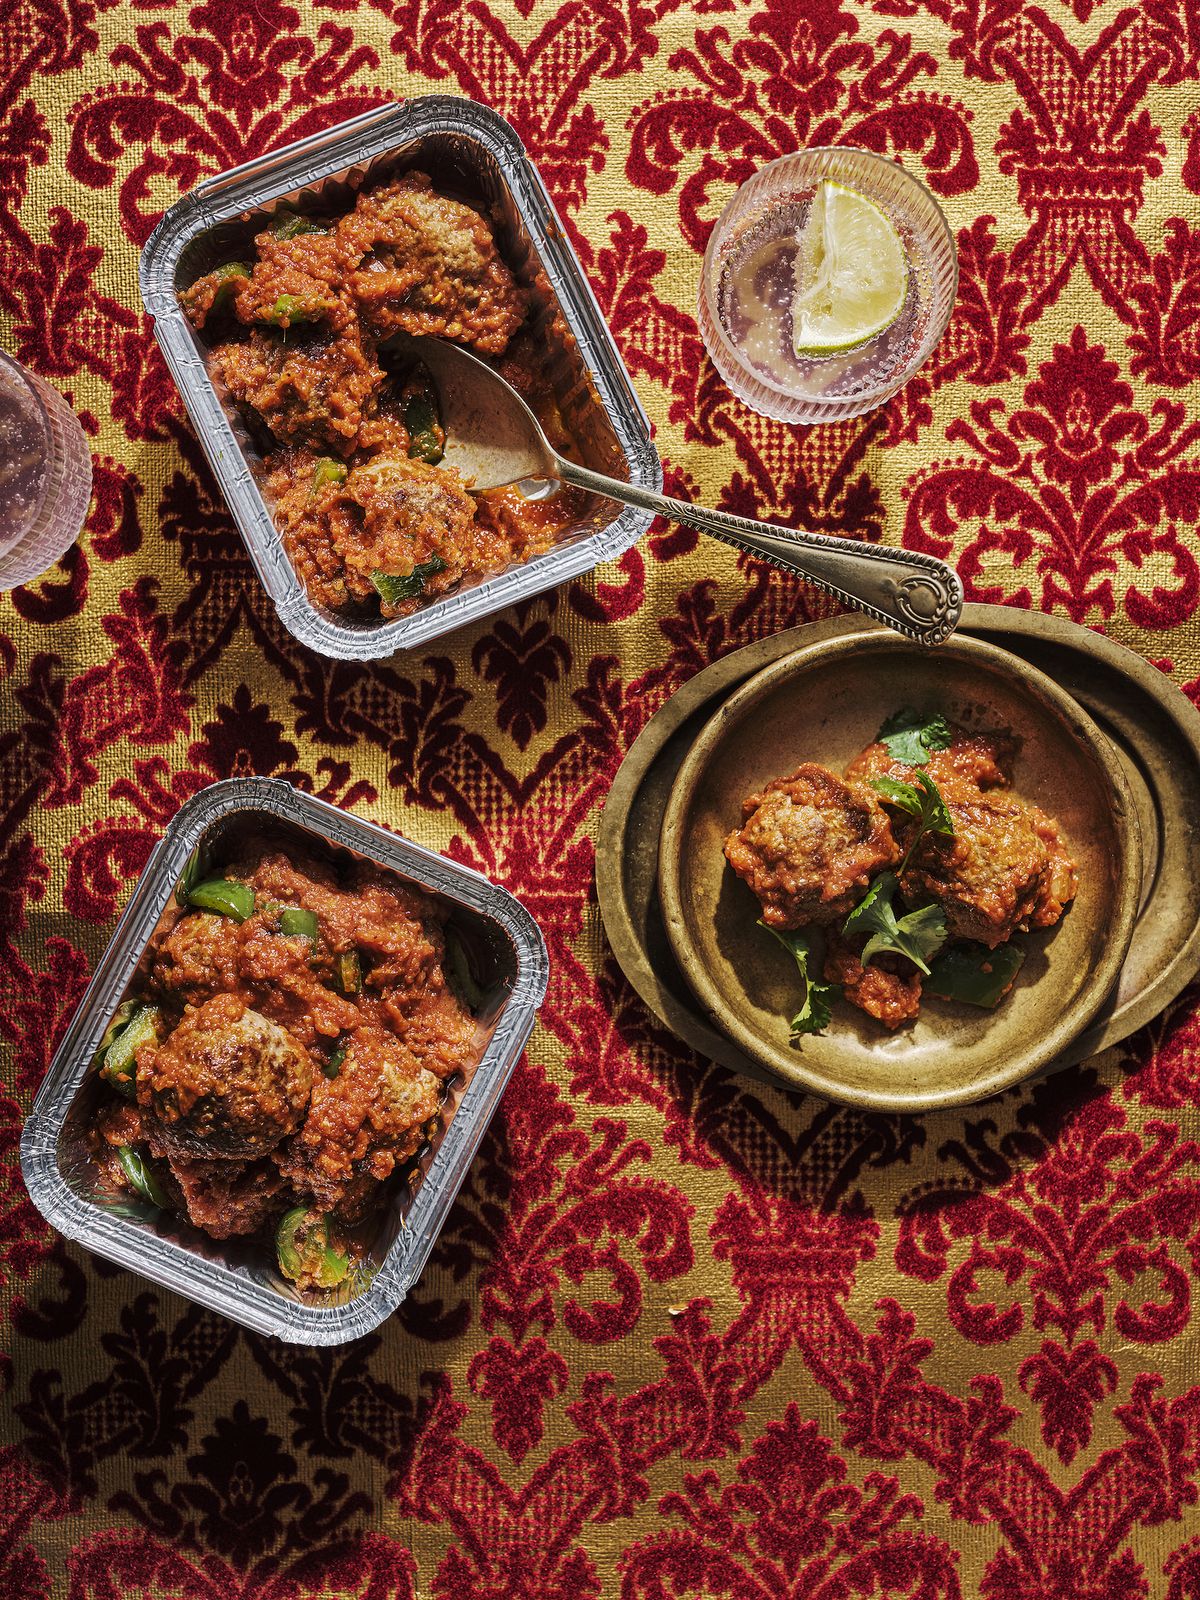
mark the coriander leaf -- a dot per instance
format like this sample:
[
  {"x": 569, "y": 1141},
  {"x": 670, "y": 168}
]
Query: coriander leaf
[
  {"x": 919, "y": 935},
  {"x": 975, "y": 975},
  {"x": 814, "y": 1014},
  {"x": 912, "y": 736},
  {"x": 922, "y": 800}
]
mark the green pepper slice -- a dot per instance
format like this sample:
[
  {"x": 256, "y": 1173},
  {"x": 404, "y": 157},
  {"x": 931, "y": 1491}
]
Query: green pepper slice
[
  {"x": 141, "y": 1177},
  {"x": 124, "y": 1014},
  {"x": 117, "y": 1060},
  {"x": 295, "y": 923},
  {"x": 307, "y": 1252},
  {"x": 333, "y": 1066},
  {"x": 459, "y": 973},
  {"x": 290, "y": 225},
  {"x": 327, "y": 470},
  {"x": 407, "y": 586},
  {"x": 426, "y": 437},
  {"x": 229, "y": 273},
  {"x": 229, "y": 899},
  {"x": 977, "y": 977},
  {"x": 188, "y": 878},
  {"x": 290, "y": 308},
  {"x": 347, "y": 972}
]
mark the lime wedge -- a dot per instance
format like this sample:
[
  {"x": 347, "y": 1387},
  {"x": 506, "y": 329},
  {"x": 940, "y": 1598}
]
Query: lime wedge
[{"x": 851, "y": 273}]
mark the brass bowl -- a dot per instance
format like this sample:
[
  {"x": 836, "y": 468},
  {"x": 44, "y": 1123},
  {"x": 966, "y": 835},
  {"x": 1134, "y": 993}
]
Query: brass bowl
[{"x": 825, "y": 704}]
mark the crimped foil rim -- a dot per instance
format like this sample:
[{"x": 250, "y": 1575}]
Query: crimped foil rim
[
  {"x": 173, "y": 1265},
  {"x": 226, "y": 197}
]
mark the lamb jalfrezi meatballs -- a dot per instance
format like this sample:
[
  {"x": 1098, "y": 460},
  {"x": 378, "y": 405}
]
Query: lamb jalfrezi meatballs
[
  {"x": 920, "y": 846},
  {"x": 289, "y": 1052},
  {"x": 298, "y": 339}
]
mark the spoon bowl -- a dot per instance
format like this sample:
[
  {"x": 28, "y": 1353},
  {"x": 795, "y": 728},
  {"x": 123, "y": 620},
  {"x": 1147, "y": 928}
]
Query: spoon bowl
[{"x": 494, "y": 439}]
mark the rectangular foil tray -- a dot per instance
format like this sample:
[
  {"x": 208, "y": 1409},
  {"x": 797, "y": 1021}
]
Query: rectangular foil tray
[
  {"x": 239, "y": 1278},
  {"x": 470, "y": 151}
]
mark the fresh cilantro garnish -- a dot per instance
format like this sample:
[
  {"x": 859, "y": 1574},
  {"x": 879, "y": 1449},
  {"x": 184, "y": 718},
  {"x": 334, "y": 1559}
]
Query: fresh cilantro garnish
[
  {"x": 923, "y": 800},
  {"x": 977, "y": 976},
  {"x": 814, "y": 1014},
  {"x": 912, "y": 737},
  {"x": 919, "y": 935}
]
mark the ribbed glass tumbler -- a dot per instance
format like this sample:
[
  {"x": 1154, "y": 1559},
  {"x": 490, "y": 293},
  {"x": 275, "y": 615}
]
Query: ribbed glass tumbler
[
  {"x": 45, "y": 475},
  {"x": 747, "y": 286}
]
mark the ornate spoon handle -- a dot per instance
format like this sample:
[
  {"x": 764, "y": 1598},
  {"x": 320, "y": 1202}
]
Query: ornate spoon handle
[{"x": 916, "y": 594}]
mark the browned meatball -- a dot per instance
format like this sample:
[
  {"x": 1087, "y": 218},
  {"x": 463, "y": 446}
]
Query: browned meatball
[
  {"x": 229, "y": 1198},
  {"x": 309, "y": 270},
  {"x": 198, "y": 959},
  {"x": 312, "y": 388},
  {"x": 429, "y": 265},
  {"x": 409, "y": 513},
  {"x": 1003, "y": 870},
  {"x": 362, "y": 1123},
  {"x": 982, "y": 759},
  {"x": 226, "y": 1083},
  {"x": 888, "y": 988},
  {"x": 810, "y": 845}
]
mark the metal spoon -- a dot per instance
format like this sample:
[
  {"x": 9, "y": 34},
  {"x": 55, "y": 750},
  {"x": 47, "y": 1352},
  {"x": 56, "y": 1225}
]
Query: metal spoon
[{"x": 493, "y": 439}]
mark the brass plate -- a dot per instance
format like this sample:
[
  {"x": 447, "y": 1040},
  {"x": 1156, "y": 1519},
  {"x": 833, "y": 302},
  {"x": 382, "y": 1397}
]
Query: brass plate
[
  {"x": 1154, "y": 728},
  {"x": 824, "y": 703}
]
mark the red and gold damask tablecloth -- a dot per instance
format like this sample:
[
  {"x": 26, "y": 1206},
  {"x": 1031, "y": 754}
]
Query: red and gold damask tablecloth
[{"x": 683, "y": 1336}]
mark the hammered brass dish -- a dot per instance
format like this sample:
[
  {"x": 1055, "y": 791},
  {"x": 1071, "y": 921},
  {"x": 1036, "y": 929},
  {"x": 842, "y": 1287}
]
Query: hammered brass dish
[{"x": 824, "y": 704}]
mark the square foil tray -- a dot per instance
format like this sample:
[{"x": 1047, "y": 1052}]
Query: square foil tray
[
  {"x": 473, "y": 154},
  {"x": 240, "y": 1278}
]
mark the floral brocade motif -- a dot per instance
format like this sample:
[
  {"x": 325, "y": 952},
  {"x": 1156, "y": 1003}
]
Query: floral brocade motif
[{"x": 683, "y": 1337}]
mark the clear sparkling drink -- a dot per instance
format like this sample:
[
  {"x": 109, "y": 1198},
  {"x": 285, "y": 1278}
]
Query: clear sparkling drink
[
  {"x": 754, "y": 271},
  {"x": 45, "y": 475}
]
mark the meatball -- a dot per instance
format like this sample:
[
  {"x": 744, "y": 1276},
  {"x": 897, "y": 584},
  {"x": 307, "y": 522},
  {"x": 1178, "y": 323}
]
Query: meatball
[
  {"x": 982, "y": 759},
  {"x": 198, "y": 958},
  {"x": 229, "y": 1198},
  {"x": 438, "y": 1030},
  {"x": 226, "y": 1083},
  {"x": 361, "y": 1124},
  {"x": 410, "y": 514},
  {"x": 888, "y": 988},
  {"x": 311, "y": 389},
  {"x": 429, "y": 265},
  {"x": 1004, "y": 869},
  {"x": 810, "y": 845}
]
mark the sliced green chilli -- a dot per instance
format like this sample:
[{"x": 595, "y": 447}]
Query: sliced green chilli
[
  {"x": 459, "y": 973},
  {"x": 188, "y": 878},
  {"x": 141, "y": 1177},
  {"x": 409, "y": 585},
  {"x": 426, "y": 438},
  {"x": 333, "y": 1066},
  {"x": 295, "y": 923},
  {"x": 124, "y": 1014},
  {"x": 328, "y": 470},
  {"x": 117, "y": 1061},
  {"x": 290, "y": 308},
  {"x": 347, "y": 972},
  {"x": 227, "y": 898},
  {"x": 290, "y": 225},
  {"x": 307, "y": 1252},
  {"x": 227, "y": 275}
]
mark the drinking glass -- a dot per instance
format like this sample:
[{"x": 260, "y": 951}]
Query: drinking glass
[
  {"x": 747, "y": 285},
  {"x": 45, "y": 475}
]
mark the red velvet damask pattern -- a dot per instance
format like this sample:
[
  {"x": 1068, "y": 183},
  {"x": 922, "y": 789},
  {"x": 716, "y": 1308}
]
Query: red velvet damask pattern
[{"x": 683, "y": 1337}]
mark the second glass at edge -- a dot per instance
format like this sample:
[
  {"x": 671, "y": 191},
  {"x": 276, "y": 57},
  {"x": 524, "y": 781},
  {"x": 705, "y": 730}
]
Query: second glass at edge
[{"x": 763, "y": 218}]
